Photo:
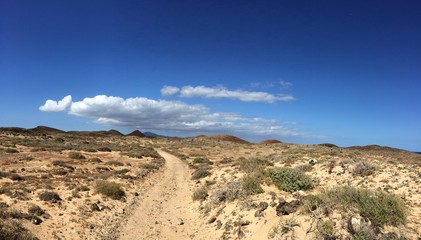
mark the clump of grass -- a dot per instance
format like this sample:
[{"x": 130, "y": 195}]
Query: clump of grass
[
  {"x": 251, "y": 185},
  {"x": 110, "y": 189},
  {"x": 290, "y": 179},
  {"x": 200, "y": 173},
  {"x": 50, "y": 197},
  {"x": 11, "y": 150},
  {"x": 327, "y": 230},
  {"x": 230, "y": 192},
  {"x": 27, "y": 158},
  {"x": 380, "y": 207},
  {"x": 114, "y": 163},
  {"x": 201, "y": 193},
  {"x": 76, "y": 155},
  {"x": 363, "y": 169}
]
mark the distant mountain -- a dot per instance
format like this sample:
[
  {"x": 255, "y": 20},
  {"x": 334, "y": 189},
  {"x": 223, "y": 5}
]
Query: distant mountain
[
  {"x": 151, "y": 134},
  {"x": 136, "y": 133},
  {"x": 228, "y": 138},
  {"x": 269, "y": 141},
  {"x": 111, "y": 132}
]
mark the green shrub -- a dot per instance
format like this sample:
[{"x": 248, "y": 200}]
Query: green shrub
[
  {"x": 76, "y": 155},
  {"x": 251, "y": 185},
  {"x": 110, "y": 189},
  {"x": 290, "y": 180},
  {"x": 200, "y": 193},
  {"x": 380, "y": 207},
  {"x": 114, "y": 163},
  {"x": 149, "y": 166},
  {"x": 200, "y": 173}
]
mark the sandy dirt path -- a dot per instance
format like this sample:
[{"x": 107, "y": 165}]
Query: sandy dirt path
[{"x": 166, "y": 210}]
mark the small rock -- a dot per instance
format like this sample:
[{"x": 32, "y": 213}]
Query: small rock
[
  {"x": 180, "y": 221},
  {"x": 136, "y": 194},
  {"x": 95, "y": 207},
  {"x": 36, "y": 220},
  {"x": 212, "y": 219},
  {"x": 357, "y": 223},
  {"x": 312, "y": 162}
]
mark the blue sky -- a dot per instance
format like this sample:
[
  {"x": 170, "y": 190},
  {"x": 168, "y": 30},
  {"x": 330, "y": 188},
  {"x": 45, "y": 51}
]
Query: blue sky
[{"x": 346, "y": 72}]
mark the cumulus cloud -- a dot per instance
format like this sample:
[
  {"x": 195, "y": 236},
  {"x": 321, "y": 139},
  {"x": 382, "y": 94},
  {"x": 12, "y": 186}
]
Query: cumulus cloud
[
  {"x": 222, "y": 92},
  {"x": 169, "y": 90},
  {"x": 57, "y": 106},
  {"x": 144, "y": 113}
]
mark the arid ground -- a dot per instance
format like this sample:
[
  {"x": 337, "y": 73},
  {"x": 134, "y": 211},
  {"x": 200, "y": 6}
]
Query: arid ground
[{"x": 105, "y": 185}]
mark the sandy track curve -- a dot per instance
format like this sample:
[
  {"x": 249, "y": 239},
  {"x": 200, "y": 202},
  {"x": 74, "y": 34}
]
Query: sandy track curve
[{"x": 166, "y": 210}]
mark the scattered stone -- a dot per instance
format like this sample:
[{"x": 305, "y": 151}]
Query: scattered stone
[
  {"x": 136, "y": 194},
  {"x": 218, "y": 224},
  {"x": 95, "y": 207},
  {"x": 212, "y": 219},
  {"x": 261, "y": 208},
  {"x": 36, "y": 220},
  {"x": 286, "y": 208},
  {"x": 357, "y": 223},
  {"x": 180, "y": 221},
  {"x": 312, "y": 162}
]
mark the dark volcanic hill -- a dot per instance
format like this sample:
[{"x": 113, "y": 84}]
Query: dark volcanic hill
[{"x": 136, "y": 133}]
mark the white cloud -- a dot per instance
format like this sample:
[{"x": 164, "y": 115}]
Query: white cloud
[
  {"x": 144, "y": 113},
  {"x": 57, "y": 106},
  {"x": 169, "y": 90},
  {"x": 222, "y": 92}
]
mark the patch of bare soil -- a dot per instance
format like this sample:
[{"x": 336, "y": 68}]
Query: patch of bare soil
[{"x": 166, "y": 209}]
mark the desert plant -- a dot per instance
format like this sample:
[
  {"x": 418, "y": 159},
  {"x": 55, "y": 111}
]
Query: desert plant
[
  {"x": 95, "y": 160},
  {"x": 49, "y": 196},
  {"x": 251, "y": 185},
  {"x": 251, "y": 165},
  {"x": 149, "y": 166},
  {"x": 104, "y": 149},
  {"x": 200, "y": 173},
  {"x": 290, "y": 180},
  {"x": 380, "y": 207},
  {"x": 110, "y": 189},
  {"x": 36, "y": 210},
  {"x": 201, "y": 160},
  {"x": 326, "y": 228},
  {"x": 14, "y": 230},
  {"x": 76, "y": 155},
  {"x": 114, "y": 163},
  {"x": 200, "y": 193},
  {"x": 11, "y": 150},
  {"x": 363, "y": 169}
]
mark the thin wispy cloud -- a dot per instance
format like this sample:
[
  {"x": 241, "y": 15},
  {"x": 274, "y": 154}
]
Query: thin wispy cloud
[
  {"x": 144, "y": 113},
  {"x": 222, "y": 92}
]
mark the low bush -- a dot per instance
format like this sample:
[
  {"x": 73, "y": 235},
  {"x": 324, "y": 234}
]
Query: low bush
[
  {"x": 95, "y": 160},
  {"x": 13, "y": 230},
  {"x": 50, "y": 197},
  {"x": 200, "y": 193},
  {"x": 114, "y": 163},
  {"x": 36, "y": 210},
  {"x": 251, "y": 185},
  {"x": 251, "y": 165},
  {"x": 201, "y": 160},
  {"x": 11, "y": 150},
  {"x": 380, "y": 207},
  {"x": 149, "y": 166},
  {"x": 104, "y": 149},
  {"x": 110, "y": 189},
  {"x": 363, "y": 169},
  {"x": 290, "y": 180},
  {"x": 76, "y": 155},
  {"x": 200, "y": 173}
]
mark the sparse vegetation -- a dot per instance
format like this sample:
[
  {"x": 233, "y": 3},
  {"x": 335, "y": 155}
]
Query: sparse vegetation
[
  {"x": 363, "y": 169},
  {"x": 76, "y": 155},
  {"x": 114, "y": 163},
  {"x": 380, "y": 207},
  {"x": 251, "y": 185},
  {"x": 11, "y": 150},
  {"x": 110, "y": 189},
  {"x": 13, "y": 230},
  {"x": 200, "y": 173},
  {"x": 200, "y": 193},
  {"x": 50, "y": 197},
  {"x": 290, "y": 180}
]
